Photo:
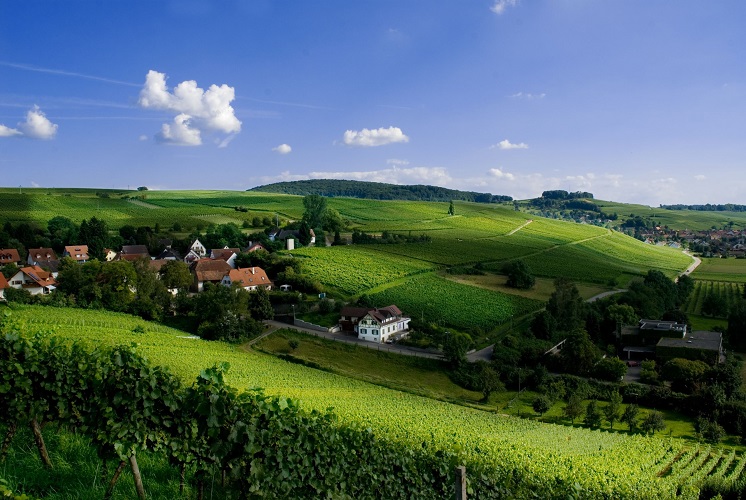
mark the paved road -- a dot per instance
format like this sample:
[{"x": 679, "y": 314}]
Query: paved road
[{"x": 341, "y": 337}]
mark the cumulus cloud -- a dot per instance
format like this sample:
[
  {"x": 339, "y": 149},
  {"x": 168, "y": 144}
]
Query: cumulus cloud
[
  {"x": 499, "y": 174},
  {"x": 8, "y": 132},
  {"x": 197, "y": 109},
  {"x": 36, "y": 126},
  {"x": 500, "y": 5},
  {"x": 283, "y": 149},
  {"x": 506, "y": 144},
  {"x": 376, "y": 137},
  {"x": 180, "y": 132}
]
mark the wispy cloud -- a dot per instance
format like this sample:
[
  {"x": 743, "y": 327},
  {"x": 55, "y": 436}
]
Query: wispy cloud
[
  {"x": 28, "y": 67},
  {"x": 499, "y": 174},
  {"x": 36, "y": 126},
  {"x": 506, "y": 144},
  {"x": 197, "y": 109},
  {"x": 397, "y": 163},
  {"x": 700, "y": 177},
  {"x": 375, "y": 137},
  {"x": 500, "y": 5},
  {"x": 528, "y": 96},
  {"x": 283, "y": 149}
]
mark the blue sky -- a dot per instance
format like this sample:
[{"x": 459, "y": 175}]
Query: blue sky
[{"x": 640, "y": 101}]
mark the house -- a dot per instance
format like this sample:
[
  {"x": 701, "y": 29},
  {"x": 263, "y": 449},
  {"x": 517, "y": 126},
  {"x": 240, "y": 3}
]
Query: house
[
  {"x": 248, "y": 278},
  {"x": 134, "y": 252},
  {"x": 284, "y": 234},
  {"x": 45, "y": 258},
  {"x": 78, "y": 253},
  {"x": 3, "y": 286},
  {"x": 227, "y": 254},
  {"x": 9, "y": 256},
  {"x": 648, "y": 332},
  {"x": 109, "y": 254},
  {"x": 169, "y": 253},
  {"x": 375, "y": 325},
  {"x": 34, "y": 280},
  {"x": 208, "y": 271},
  {"x": 696, "y": 346},
  {"x": 198, "y": 248},
  {"x": 253, "y": 247}
]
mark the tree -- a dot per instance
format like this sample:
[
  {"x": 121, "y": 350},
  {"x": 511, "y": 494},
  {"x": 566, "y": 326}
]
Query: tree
[
  {"x": 684, "y": 288},
  {"x": 653, "y": 423},
  {"x": 455, "y": 347},
  {"x": 714, "y": 305},
  {"x": 175, "y": 275},
  {"x": 304, "y": 233},
  {"x": 488, "y": 381},
  {"x": 332, "y": 221},
  {"x": 315, "y": 206},
  {"x": 578, "y": 352},
  {"x": 736, "y": 332},
  {"x": 566, "y": 305},
  {"x": 574, "y": 407},
  {"x": 117, "y": 281},
  {"x": 684, "y": 375},
  {"x": 592, "y": 414},
  {"x": 451, "y": 210},
  {"x": 260, "y": 306},
  {"x": 709, "y": 431},
  {"x": 611, "y": 369},
  {"x": 541, "y": 404},
  {"x": 629, "y": 416},
  {"x": 95, "y": 234},
  {"x": 543, "y": 325},
  {"x": 519, "y": 275},
  {"x": 613, "y": 410}
]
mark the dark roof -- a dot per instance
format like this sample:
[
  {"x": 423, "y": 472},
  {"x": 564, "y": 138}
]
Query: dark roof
[
  {"x": 135, "y": 250},
  {"x": 42, "y": 254},
  {"x": 355, "y": 312},
  {"x": 709, "y": 341},
  {"x": 169, "y": 253}
]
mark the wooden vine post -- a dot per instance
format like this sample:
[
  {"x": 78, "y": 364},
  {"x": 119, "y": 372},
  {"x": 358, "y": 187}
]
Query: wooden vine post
[{"x": 460, "y": 493}]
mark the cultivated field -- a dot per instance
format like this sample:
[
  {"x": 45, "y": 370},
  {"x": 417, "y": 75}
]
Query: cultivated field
[{"x": 551, "y": 459}]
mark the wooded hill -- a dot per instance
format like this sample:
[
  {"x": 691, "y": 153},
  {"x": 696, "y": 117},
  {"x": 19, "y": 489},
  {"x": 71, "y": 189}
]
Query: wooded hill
[{"x": 377, "y": 191}]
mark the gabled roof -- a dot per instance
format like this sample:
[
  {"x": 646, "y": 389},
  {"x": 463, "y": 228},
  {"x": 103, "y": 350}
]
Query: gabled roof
[
  {"x": 9, "y": 255},
  {"x": 384, "y": 314},
  {"x": 210, "y": 270},
  {"x": 355, "y": 312},
  {"x": 77, "y": 252},
  {"x": 135, "y": 250},
  {"x": 224, "y": 253},
  {"x": 249, "y": 276},
  {"x": 39, "y": 276},
  {"x": 157, "y": 264},
  {"x": 253, "y": 247},
  {"x": 3, "y": 282},
  {"x": 169, "y": 253},
  {"x": 42, "y": 254}
]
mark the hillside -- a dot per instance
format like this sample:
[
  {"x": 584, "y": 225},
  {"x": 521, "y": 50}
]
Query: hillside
[
  {"x": 377, "y": 191},
  {"x": 512, "y": 453}
]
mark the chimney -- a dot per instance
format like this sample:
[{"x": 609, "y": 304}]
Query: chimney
[{"x": 253, "y": 271}]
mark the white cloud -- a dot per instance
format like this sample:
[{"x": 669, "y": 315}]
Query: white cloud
[
  {"x": 498, "y": 173},
  {"x": 700, "y": 177},
  {"x": 8, "y": 132},
  {"x": 283, "y": 149},
  {"x": 197, "y": 109},
  {"x": 36, "y": 126},
  {"x": 180, "y": 132},
  {"x": 528, "y": 96},
  {"x": 143, "y": 137},
  {"x": 500, "y": 5},
  {"x": 506, "y": 144},
  {"x": 375, "y": 137}
]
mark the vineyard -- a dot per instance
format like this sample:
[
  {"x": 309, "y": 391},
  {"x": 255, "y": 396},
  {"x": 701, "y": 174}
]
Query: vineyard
[
  {"x": 511, "y": 454},
  {"x": 723, "y": 294},
  {"x": 730, "y": 270}
]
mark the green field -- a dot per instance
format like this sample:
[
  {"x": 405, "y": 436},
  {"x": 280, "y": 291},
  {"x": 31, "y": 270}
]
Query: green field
[
  {"x": 713, "y": 269},
  {"x": 550, "y": 458},
  {"x": 679, "y": 219}
]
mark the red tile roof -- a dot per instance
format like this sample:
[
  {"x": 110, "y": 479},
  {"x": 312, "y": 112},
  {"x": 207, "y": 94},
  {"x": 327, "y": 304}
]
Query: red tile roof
[
  {"x": 9, "y": 256},
  {"x": 250, "y": 276}
]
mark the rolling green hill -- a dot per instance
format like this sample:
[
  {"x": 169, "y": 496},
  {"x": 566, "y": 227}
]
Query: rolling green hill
[{"x": 548, "y": 459}]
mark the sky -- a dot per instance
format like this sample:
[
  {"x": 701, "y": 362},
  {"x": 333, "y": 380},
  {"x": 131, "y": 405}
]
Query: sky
[{"x": 636, "y": 101}]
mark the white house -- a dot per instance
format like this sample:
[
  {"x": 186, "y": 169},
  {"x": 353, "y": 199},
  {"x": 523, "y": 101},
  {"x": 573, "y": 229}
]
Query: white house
[
  {"x": 379, "y": 324},
  {"x": 34, "y": 280},
  {"x": 227, "y": 254},
  {"x": 198, "y": 248}
]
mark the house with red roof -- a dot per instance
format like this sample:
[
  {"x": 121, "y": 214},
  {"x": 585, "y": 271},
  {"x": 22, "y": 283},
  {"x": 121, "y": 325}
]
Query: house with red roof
[
  {"x": 9, "y": 256},
  {"x": 248, "y": 278},
  {"x": 78, "y": 253},
  {"x": 208, "y": 271},
  {"x": 3, "y": 286},
  {"x": 34, "y": 280}
]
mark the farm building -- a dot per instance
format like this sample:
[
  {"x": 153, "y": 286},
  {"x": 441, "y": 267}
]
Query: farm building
[
  {"x": 696, "y": 346},
  {"x": 374, "y": 325}
]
